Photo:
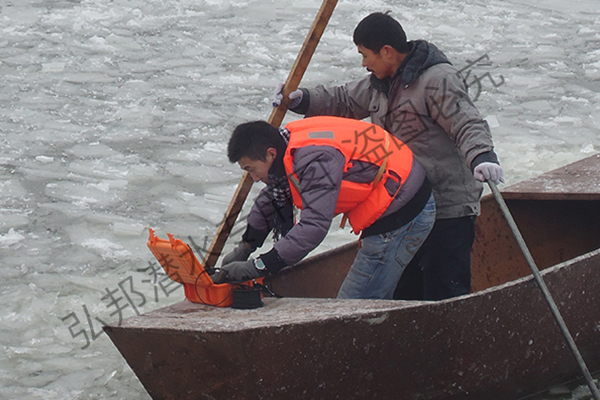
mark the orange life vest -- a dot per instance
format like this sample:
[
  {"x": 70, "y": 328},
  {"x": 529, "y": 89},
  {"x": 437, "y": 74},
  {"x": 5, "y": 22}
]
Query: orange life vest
[{"x": 362, "y": 203}]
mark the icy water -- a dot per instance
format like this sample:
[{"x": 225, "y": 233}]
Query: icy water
[{"x": 114, "y": 117}]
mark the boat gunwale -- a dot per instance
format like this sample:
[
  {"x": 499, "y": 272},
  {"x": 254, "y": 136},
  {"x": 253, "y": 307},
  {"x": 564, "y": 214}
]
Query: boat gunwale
[{"x": 197, "y": 317}]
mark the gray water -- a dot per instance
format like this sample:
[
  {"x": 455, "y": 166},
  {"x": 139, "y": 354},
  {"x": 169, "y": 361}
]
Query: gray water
[{"x": 115, "y": 114}]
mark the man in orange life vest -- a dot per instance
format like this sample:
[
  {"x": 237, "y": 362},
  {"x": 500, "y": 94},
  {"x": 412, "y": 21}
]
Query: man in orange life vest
[{"x": 326, "y": 166}]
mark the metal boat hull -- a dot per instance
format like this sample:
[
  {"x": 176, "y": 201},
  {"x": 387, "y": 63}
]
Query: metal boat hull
[{"x": 500, "y": 342}]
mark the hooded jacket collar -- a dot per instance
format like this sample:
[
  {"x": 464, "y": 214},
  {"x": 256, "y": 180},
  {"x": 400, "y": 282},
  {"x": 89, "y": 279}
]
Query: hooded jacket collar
[{"x": 421, "y": 56}]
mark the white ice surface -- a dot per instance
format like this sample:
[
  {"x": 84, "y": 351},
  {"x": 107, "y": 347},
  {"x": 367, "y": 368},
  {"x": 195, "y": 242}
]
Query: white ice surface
[{"x": 115, "y": 114}]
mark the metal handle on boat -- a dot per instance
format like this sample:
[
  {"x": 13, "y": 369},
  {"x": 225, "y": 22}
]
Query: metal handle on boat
[{"x": 545, "y": 291}]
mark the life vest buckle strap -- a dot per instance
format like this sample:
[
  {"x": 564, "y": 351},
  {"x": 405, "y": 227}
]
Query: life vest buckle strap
[{"x": 344, "y": 220}]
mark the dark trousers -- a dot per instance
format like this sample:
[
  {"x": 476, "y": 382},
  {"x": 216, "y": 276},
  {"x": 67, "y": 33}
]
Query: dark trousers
[{"x": 442, "y": 267}]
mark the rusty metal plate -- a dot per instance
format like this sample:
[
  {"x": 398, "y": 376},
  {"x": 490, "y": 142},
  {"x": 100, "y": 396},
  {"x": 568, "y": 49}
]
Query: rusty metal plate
[
  {"x": 497, "y": 344},
  {"x": 577, "y": 181}
]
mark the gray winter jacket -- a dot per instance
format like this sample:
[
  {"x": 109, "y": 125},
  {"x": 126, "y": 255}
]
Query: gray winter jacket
[
  {"x": 425, "y": 105},
  {"x": 320, "y": 170}
]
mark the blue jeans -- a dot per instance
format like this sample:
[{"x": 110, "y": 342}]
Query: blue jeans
[{"x": 382, "y": 258}]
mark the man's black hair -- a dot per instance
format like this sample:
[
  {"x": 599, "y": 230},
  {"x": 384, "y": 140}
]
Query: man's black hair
[
  {"x": 379, "y": 29},
  {"x": 252, "y": 139}
]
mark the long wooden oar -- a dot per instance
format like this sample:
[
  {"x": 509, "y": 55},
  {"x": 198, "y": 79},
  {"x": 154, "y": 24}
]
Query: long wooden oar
[
  {"x": 545, "y": 291},
  {"x": 291, "y": 84}
]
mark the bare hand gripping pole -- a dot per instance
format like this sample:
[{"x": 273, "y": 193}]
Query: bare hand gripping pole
[
  {"x": 291, "y": 84},
  {"x": 545, "y": 291}
]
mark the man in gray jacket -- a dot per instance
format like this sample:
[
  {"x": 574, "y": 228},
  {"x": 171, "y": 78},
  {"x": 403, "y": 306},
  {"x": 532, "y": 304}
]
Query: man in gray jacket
[{"x": 416, "y": 94}]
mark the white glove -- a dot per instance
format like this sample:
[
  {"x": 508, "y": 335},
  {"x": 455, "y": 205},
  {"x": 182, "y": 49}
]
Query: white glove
[
  {"x": 488, "y": 171},
  {"x": 295, "y": 97}
]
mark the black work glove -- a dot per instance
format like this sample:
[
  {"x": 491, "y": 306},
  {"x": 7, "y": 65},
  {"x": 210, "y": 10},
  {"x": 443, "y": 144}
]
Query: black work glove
[
  {"x": 239, "y": 271},
  {"x": 240, "y": 253}
]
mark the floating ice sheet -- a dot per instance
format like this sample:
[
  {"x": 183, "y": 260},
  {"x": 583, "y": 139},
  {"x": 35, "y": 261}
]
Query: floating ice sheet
[{"x": 115, "y": 117}]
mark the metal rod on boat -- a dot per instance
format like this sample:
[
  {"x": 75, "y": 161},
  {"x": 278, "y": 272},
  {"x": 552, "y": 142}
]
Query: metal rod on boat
[{"x": 545, "y": 291}]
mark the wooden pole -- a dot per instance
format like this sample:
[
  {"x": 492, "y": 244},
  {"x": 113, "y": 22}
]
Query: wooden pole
[{"x": 291, "y": 84}]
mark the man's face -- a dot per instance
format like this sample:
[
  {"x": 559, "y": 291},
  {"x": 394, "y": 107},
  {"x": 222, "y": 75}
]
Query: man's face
[
  {"x": 379, "y": 64},
  {"x": 258, "y": 169}
]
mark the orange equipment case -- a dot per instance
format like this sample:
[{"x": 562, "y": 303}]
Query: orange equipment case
[{"x": 181, "y": 265}]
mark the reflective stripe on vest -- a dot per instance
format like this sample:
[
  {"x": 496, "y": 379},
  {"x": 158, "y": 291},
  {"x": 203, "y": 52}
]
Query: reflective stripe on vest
[{"x": 363, "y": 203}]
